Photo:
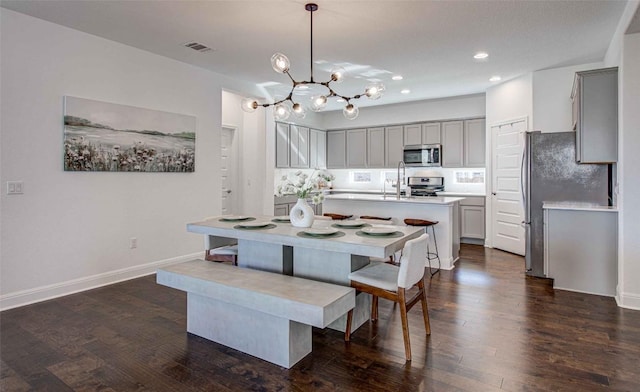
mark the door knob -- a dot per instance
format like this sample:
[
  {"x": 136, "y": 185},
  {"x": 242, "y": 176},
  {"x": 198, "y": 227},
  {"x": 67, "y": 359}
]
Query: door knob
[
  {"x": 228, "y": 190},
  {"x": 493, "y": 193}
]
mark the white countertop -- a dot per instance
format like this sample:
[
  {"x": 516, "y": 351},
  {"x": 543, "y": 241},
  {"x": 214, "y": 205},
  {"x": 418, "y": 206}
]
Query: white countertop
[
  {"x": 392, "y": 191},
  {"x": 577, "y": 206},
  {"x": 461, "y": 194},
  {"x": 392, "y": 199}
]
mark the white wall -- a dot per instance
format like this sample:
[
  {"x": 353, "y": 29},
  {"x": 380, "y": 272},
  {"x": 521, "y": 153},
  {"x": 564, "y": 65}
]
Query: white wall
[
  {"x": 629, "y": 167},
  {"x": 552, "y": 97},
  {"x": 432, "y": 109},
  {"x": 71, "y": 230}
]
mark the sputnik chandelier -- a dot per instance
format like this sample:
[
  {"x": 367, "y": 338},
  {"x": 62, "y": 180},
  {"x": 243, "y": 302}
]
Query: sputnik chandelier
[{"x": 282, "y": 111}]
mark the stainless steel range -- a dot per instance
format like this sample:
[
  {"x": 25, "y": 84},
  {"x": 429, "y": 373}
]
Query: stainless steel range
[{"x": 426, "y": 186}]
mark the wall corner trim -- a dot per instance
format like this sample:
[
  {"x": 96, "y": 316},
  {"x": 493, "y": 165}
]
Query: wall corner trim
[
  {"x": 628, "y": 301},
  {"x": 43, "y": 293}
]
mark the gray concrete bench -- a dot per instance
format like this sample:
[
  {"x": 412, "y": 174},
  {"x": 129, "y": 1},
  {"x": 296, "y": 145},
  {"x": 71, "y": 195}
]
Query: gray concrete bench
[{"x": 264, "y": 314}]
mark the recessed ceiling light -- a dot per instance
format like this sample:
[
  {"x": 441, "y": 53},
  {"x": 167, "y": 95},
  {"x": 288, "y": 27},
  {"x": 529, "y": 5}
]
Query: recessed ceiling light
[
  {"x": 339, "y": 100},
  {"x": 481, "y": 55},
  {"x": 405, "y": 91},
  {"x": 396, "y": 77},
  {"x": 495, "y": 78},
  {"x": 303, "y": 87}
]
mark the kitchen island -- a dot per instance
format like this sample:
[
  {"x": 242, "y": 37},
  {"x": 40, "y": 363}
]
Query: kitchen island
[{"x": 441, "y": 209}]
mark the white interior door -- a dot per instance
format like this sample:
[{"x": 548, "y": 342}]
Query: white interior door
[
  {"x": 506, "y": 197},
  {"x": 228, "y": 165}
]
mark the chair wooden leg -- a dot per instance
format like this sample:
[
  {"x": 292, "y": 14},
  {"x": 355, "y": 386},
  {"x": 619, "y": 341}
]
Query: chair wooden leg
[
  {"x": 425, "y": 308},
  {"x": 405, "y": 324},
  {"x": 374, "y": 307},
  {"x": 347, "y": 331}
]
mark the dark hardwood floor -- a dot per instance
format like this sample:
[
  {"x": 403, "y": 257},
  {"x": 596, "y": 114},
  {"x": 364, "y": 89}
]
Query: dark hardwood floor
[{"x": 492, "y": 329}]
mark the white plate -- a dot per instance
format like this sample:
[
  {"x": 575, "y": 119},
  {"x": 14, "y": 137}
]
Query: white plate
[
  {"x": 320, "y": 231},
  {"x": 378, "y": 230},
  {"x": 254, "y": 224},
  {"x": 283, "y": 218},
  {"x": 350, "y": 223},
  {"x": 235, "y": 218}
]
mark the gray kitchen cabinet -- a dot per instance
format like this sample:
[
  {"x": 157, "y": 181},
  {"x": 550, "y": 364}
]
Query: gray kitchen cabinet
[
  {"x": 474, "y": 143},
  {"x": 336, "y": 150},
  {"x": 595, "y": 115},
  {"x": 299, "y": 146},
  {"x": 317, "y": 149},
  {"x": 472, "y": 219},
  {"x": 393, "y": 142},
  {"x": 375, "y": 147},
  {"x": 282, "y": 145},
  {"x": 282, "y": 205},
  {"x": 431, "y": 133},
  {"x": 412, "y": 134},
  {"x": 452, "y": 144},
  {"x": 280, "y": 209},
  {"x": 356, "y": 148}
]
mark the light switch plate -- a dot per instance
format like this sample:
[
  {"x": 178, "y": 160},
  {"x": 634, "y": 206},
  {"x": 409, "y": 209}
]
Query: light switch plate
[{"x": 15, "y": 187}]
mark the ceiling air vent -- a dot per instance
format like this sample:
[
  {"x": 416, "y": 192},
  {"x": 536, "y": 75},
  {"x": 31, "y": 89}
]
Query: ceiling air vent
[{"x": 197, "y": 46}]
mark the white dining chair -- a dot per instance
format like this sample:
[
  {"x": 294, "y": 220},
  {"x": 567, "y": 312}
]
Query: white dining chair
[{"x": 392, "y": 282}]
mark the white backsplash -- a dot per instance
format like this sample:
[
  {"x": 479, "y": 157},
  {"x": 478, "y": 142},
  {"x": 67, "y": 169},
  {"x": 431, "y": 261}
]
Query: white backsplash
[{"x": 344, "y": 178}]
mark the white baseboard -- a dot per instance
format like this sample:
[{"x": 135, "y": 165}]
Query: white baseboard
[
  {"x": 628, "y": 301},
  {"x": 43, "y": 293}
]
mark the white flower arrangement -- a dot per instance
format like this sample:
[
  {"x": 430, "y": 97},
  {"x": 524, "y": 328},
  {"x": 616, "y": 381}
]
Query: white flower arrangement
[{"x": 302, "y": 185}]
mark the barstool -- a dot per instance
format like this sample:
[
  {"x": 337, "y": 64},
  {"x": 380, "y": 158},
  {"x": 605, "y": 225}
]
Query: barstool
[
  {"x": 337, "y": 216},
  {"x": 430, "y": 255}
]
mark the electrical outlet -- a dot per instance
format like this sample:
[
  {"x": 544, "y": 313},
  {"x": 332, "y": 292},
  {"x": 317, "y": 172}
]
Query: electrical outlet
[
  {"x": 15, "y": 187},
  {"x": 133, "y": 243}
]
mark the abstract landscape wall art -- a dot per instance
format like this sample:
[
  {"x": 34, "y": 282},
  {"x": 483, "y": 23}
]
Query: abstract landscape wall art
[{"x": 101, "y": 136}]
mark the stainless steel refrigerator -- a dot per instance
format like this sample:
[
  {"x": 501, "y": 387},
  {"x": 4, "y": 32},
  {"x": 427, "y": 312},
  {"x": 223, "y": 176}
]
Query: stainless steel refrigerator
[{"x": 551, "y": 173}]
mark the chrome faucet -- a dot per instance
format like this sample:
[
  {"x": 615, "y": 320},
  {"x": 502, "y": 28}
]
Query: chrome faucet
[{"x": 401, "y": 163}]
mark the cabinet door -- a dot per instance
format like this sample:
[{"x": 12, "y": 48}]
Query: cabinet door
[
  {"x": 412, "y": 134},
  {"x": 280, "y": 209},
  {"x": 357, "y": 148},
  {"x": 336, "y": 150},
  {"x": 299, "y": 143},
  {"x": 375, "y": 147},
  {"x": 317, "y": 149},
  {"x": 431, "y": 133},
  {"x": 282, "y": 145},
  {"x": 472, "y": 222},
  {"x": 393, "y": 142},
  {"x": 474, "y": 143},
  {"x": 598, "y": 117},
  {"x": 452, "y": 144}
]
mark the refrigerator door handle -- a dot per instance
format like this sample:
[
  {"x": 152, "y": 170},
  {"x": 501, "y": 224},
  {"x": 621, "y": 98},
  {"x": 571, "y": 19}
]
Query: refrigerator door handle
[{"x": 522, "y": 195}]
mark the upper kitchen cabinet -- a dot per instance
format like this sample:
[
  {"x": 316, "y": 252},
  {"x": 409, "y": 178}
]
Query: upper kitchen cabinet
[
  {"x": 336, "y": 150},
  {"x": 412, "y": 134},
  {"x": 317, "y": 149},
  {"x": 282, "y": 145},
  {"x": 431, "y": 133},
  {"x": 474, "y": 143},
  {"x": 463, "y": 143},
  {"x": 595, "y": 115},
  {"x": 375, "y": 147},
  {"x": 453, "y": 144},
  {"x": 299, "y": 144},
  {"x": 393, "y": 145},
  {"x": 357, "y": 148}
]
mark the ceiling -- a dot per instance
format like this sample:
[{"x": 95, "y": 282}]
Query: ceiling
[{"x": 430, "y": 43}]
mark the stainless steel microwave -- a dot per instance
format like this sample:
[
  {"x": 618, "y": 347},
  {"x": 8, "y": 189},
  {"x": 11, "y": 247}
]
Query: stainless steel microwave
[{"x": 422, "y": 155}]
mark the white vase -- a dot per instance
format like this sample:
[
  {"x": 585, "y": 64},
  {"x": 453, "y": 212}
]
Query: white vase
[{"x": 301, "y": 214}]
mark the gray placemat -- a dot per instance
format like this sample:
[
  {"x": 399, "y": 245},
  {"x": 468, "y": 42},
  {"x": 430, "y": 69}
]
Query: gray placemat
[
  {"x": 320, "y": 237},
  {"x": 280, "y": 221},
  {"x": 337, "y": 226},
  {"x": 269, "y": 226},
  {"x": 396, "y": 234},
  {"x": 249, "y": 219}
]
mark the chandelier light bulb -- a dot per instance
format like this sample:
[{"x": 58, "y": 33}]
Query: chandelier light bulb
[
  {"x": 338, "y": 74},
  {"x": 249, "y": 105},
  {"x": 280, "y": 63},
  {"x": 299, "y": 111},
  {"x": 318, "y": 103},
  {"x": 350, "y": 111},
  {"x": 374, "y": 90},
  {"x": 281, "y": 112}
]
